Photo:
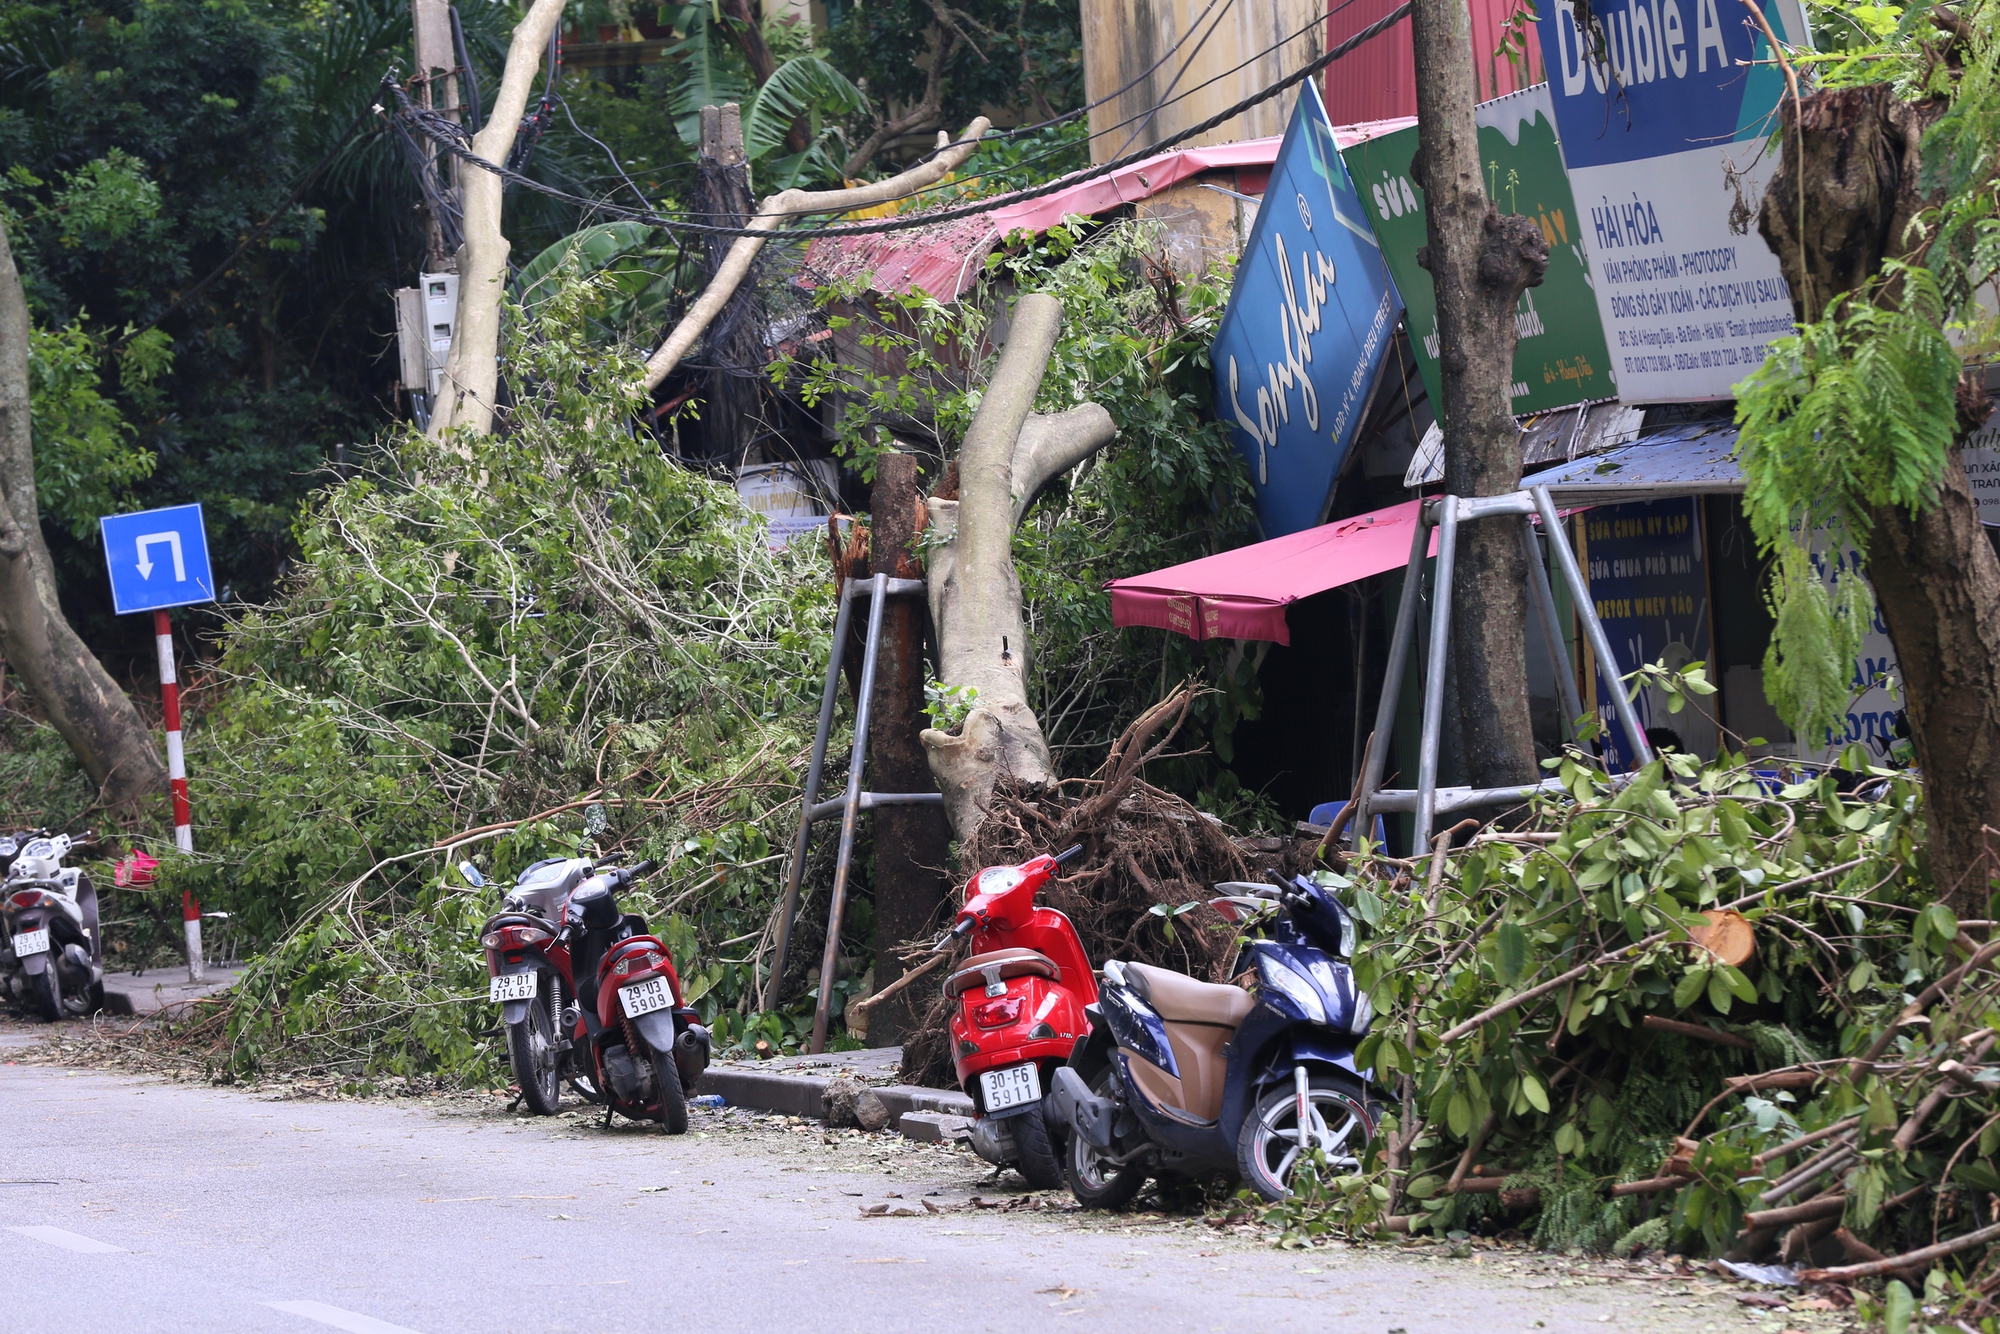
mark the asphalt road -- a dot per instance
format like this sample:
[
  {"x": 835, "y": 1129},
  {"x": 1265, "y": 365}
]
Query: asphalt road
[{"x": 134, "y": 1206}]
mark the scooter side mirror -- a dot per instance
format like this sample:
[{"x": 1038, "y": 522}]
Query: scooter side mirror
[{"x": 471, "y": 874}]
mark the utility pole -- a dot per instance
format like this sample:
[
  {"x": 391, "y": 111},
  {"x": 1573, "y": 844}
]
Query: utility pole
[
  {"x": 736, "y": 352},
  {"x": 436, "y": 87},
  {"x": 912, "y": 843}
]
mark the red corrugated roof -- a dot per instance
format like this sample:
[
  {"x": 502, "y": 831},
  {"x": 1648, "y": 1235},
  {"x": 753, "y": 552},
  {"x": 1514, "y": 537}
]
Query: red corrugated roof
[{"x": 943, "y": 260}]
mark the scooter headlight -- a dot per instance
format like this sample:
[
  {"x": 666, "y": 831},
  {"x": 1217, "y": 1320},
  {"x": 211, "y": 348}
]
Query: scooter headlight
[
  {"x": 1301, "y": 993},
  {"x": 1364, "y": 1013},
  {"x": 997, "y": 879}
]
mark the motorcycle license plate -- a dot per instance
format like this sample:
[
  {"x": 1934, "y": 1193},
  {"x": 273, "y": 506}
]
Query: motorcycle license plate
[
  {"x": 645, "y": 997},
  {"x": 1012, "y": 1087},
  {"x": 514, "y": 986},
  {"x": 31, "y": 942}
]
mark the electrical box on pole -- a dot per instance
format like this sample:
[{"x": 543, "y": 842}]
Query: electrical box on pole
[{"x": 426, "y": 315}]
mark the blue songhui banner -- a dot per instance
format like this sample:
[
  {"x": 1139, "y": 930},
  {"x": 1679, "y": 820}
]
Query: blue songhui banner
[
  {"x": 1302, "y": 340},
  {"x": 1666, "y": 130}
]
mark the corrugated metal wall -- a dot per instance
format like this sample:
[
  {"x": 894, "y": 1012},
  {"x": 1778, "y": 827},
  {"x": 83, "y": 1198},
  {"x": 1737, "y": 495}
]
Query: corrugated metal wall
[
  {"x": 1379, "y": 79},
  {"x": 1129, "y": 41}
]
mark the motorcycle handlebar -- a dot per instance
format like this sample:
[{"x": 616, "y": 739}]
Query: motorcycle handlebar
[
  {"x": 953, "y": 936},
  {"x": 1068, "y": 855}
]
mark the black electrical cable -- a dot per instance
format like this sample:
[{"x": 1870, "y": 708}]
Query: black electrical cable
[
  {"x": 616, "y": 165},
  {"x": 474, "y": 113},
  {"x": 909, "y": 222}
]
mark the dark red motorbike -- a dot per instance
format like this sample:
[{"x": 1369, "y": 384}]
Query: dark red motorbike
[
  {"x": 1020, "y": 1012},
  {"x": 643, "y": 1046},
  {"x": 528, "y": 967}
]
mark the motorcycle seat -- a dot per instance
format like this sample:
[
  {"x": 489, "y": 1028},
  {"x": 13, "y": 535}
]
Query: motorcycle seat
[
  {"x": 1182, "y": 1000},
  {"x": 997, "y": 966}
]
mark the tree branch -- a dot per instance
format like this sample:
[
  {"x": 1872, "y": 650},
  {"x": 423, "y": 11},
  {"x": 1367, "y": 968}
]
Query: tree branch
[{"x": 773, "y": 211}]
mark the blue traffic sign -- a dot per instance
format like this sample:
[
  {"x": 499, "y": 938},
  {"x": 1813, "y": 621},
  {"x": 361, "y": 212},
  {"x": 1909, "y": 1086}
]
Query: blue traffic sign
[{"x": 157, "y": 558}]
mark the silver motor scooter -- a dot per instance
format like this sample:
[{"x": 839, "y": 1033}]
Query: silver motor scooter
[{"x": 53, "y": 955}]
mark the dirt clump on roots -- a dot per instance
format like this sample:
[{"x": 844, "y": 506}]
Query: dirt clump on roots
[{"x": 1143, "y": 847}]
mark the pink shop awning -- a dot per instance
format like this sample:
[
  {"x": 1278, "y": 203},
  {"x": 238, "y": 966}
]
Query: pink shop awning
[{"x": 1242, "y": 594}]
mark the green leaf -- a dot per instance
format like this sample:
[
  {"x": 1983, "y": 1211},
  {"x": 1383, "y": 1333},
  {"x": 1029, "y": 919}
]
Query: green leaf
[
  {"x": 1569, "y": 1140},
  {"x": 804, "y": 86},
  {"x": 1689, "y": 987},
  {"x": 1510, "y": 952},
  {"x": 1898, "y": 1305},
  {"x": 594, "y": 248},
  {"x": 1718, "y": 991},
  {"x": 1458, "y": 1114},
  {"x": 1940, "y": 923},
  {"x": 1739, "y": 985},
  {"x": 1538, "y": 1097}
]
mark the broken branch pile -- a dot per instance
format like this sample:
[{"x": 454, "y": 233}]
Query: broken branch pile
[{"x": 1700, "y": 1011}]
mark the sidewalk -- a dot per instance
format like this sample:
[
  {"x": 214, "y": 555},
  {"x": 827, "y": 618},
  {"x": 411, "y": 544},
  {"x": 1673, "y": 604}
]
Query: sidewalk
[
  {"x": 796, "y": 1086},
  {"x": 158, "y": 988}
]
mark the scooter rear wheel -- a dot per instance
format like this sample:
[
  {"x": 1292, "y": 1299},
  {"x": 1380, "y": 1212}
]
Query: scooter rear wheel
[
  {"x": 531, "y": 1051},
  {"x": 673, "y": 1099},
  {"x": 1343, "y": 1120},
  {"x": 45, "y": 988},
  {"x": 1095, "y": 1181},
  {"x": 1040, "y": 1161}
]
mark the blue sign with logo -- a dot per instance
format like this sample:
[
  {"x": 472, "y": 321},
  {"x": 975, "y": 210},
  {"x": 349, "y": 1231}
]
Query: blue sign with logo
[
  {"x": 157, "y": 558},
  {"x": 1302, "y": 340}
]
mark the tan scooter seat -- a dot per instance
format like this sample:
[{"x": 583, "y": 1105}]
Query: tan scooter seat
[
  {"x": 996, "y": 966},
  {"x": 1182, "y": 1000}
]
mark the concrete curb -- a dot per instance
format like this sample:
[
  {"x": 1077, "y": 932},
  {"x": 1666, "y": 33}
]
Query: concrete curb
[
  {"x": 805, "y": 1095},
  {"x": 136, "y": 994}
]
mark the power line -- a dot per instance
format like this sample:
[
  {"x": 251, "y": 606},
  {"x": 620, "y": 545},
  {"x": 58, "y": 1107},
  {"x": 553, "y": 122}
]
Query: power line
[{"x": 907, "y": 222}]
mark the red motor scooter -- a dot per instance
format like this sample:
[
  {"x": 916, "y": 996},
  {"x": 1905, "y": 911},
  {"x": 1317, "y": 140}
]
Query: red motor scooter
[
  {"x": 1021, "y": 997},
  {"x": 529, "y": 977},
  {"x": 645, "y": 1047}
]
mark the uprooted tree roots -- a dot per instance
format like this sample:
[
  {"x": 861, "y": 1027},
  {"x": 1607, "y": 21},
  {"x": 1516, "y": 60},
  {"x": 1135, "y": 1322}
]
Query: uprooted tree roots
[{"x": 1138, "y": 892}]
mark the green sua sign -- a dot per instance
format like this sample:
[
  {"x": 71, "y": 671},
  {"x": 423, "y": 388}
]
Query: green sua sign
[{"x": 1561, "y": 358}]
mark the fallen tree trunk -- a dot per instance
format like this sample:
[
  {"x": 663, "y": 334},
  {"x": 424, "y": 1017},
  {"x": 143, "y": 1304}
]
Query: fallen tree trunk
[
  {"x": 975, "y": 594},
  {"x": 68, "y": 684}
]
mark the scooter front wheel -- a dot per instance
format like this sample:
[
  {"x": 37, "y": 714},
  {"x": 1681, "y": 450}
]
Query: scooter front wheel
[
  {"x": 1341, "y": 1119},
  {"x": 1094, "y": 1178}
]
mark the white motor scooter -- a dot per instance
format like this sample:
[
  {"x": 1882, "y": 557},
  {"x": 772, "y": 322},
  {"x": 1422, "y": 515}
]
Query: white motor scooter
[{"x": 51, "y": 950}]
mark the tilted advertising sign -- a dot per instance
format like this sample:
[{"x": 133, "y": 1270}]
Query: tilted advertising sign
[
  {"x": 1301, "y": 343},
  {"x": 1561, "y": 357},
  {"x": 1665, "y": 117}
]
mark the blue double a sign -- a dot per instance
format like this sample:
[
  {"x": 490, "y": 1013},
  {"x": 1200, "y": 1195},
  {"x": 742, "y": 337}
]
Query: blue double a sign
[{"x": 157, "y": 558}]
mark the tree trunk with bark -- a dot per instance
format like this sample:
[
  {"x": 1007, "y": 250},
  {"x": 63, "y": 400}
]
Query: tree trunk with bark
[
  {"x": 912, "y": 843},
  {"x": 471, "y": 377},
  {"x": 1840, "y": 202},
  {"x": 1480, "y": 262},
  {"x": 732, "y": 418},
  {"x": 67, "y": 683},
  {"x": 1008, "y": 456}
]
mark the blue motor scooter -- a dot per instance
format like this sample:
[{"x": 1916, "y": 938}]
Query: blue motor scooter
[{"x": 1184, "y": 1077}]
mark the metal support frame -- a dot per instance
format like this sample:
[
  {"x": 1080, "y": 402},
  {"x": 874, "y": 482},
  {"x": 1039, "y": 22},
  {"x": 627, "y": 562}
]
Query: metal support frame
[
  {"x": 849, "y": 805},
  {"x": 1445, "y": 513}
]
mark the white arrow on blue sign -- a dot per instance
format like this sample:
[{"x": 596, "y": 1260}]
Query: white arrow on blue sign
[{"x": 157, "y": 558}]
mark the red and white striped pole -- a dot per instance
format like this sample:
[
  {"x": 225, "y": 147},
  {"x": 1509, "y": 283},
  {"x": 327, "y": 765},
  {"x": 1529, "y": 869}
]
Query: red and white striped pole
[{"x": 177, "y": 783}]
